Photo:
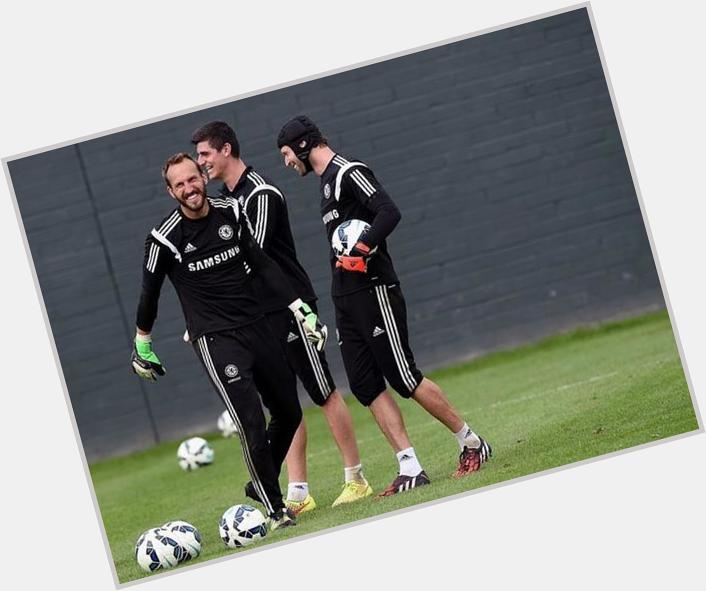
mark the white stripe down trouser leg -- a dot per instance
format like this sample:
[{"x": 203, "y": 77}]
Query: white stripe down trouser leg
[
  {"x": 315, "y": 362},
  {"x": 394, "y": 337},
  {"x": 210, "y": 368}
]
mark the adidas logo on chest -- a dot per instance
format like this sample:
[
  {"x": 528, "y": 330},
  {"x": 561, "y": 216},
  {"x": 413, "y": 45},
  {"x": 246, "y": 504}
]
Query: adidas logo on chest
[
  {"x": 378, "y": 331},
  {"x": 189, "y": 248}
]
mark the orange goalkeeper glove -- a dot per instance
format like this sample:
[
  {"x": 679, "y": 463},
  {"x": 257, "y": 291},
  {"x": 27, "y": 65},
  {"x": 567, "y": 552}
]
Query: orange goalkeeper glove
[{"x": 357, "y": 259}]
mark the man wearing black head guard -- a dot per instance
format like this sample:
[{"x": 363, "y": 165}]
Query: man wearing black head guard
[
  {"x": 300, "y": 135},
  {"x": 371, "y": 314}
]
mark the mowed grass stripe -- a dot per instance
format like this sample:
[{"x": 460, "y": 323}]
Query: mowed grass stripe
[{"x": 563, "y": 400}]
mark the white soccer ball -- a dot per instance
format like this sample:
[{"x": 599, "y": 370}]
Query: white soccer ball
[
  {"x": 188, "y": 537},
  {"x": 346, "y": 235},
  {"x": 156, "y": 549},
  {"x": 241, "y": 525},
  {"x": 226, "y": 425},
  {"x": 194, "y": 453}
]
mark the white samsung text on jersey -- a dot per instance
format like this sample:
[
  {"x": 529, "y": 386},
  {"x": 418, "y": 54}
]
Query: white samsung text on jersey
[
  {"x": 331, "y": 215},
  {"x": 214, "y": 260}
]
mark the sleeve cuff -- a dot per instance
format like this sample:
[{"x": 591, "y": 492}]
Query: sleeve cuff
[{"x": 296, "y": 304}]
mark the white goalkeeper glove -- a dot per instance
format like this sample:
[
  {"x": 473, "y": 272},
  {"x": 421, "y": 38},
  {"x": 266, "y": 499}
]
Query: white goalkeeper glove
[{"x": 315, "y": 332}]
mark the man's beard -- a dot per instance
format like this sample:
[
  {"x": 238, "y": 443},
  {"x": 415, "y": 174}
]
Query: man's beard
[
  {"x": 300, "y": 168},
  {"x": 192, "y": 207}
]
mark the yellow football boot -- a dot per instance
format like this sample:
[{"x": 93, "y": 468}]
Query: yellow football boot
[
  {"x": 299, "y": 507},
  {"x": 355, "y": 490}
]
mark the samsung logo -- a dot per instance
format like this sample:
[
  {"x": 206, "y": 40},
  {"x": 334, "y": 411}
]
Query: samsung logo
[
  {"x": 331, "y": 215},
  {"x": 214, "y": 260}
]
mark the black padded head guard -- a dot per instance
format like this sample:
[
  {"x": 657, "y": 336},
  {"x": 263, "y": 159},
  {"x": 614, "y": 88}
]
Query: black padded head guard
[{"x": 301, "y": 135}]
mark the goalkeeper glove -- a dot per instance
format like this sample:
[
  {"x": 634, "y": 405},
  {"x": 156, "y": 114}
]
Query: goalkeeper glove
[
  {"x": 315, "y": 332},
  {"x": 357, "y": 259},
  {"x": 144, "y": 362}
]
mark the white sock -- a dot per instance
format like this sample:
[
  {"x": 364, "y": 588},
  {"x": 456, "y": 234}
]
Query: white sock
[
  {"x": 297, "y": 491},
  {"x": 466, "y": 437},
  {"x": 354, "y": 473},
  {"x": 409, "y": 464}
]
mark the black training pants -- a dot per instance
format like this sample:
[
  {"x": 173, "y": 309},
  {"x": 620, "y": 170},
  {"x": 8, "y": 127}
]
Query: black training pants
[{"x": 234, "y": 359}]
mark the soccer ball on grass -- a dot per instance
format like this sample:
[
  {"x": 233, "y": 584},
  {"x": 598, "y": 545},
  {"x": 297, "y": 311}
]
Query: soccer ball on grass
[
  {"x": 194, "y": 453},
  {"x": 187, "y": 536},
  {"x": 156, "y": 549},
  {"x": 241, "y": 525},
  {"x": 226, "y": 425}
]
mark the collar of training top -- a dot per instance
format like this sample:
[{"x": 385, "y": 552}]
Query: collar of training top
[
  {"x": 329, "y": 168},
  {"x": 201, "y": 220},
  {"x": 239, "y": 185}
]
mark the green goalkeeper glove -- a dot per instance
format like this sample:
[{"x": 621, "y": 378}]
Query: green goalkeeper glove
[
  {"x": 315, "y": 332},
  {"x": 144, "y": 362}
]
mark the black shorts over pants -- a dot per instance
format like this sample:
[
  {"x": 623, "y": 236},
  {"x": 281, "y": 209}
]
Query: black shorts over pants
[
  {"x": 372, "y": 333},
  {"x": 309, "y": 365}
]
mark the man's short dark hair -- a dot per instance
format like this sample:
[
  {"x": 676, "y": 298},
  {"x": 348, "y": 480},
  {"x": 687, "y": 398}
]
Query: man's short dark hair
[
  {"x": 217, "y": 134},
  {"x": 177, "y": 159}
]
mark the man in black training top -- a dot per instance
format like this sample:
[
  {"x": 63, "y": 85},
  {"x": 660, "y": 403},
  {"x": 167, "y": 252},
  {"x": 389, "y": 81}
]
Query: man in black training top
[
  {"x": 371, "y": 317},
  {"x": 218, "y": 153},
  {"x": 206, "y": 248}
]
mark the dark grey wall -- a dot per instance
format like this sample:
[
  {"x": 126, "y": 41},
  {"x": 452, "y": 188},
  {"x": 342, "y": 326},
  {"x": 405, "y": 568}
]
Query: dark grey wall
[{"x": 502, "y": 151}]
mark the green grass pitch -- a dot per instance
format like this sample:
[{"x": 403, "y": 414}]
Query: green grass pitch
[{"x": 565, "y": 399}]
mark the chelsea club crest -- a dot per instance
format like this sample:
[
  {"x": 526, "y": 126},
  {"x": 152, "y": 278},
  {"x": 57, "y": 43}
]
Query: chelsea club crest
[{"x": 225, "y": 232}]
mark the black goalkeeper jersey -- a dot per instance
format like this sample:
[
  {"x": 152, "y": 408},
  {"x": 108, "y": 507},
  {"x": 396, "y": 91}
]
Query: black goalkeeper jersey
[
  {"x": 350, "y": 191},
  {"x": 266, "y": 208},
  {"x": 211, "y": 262}
]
